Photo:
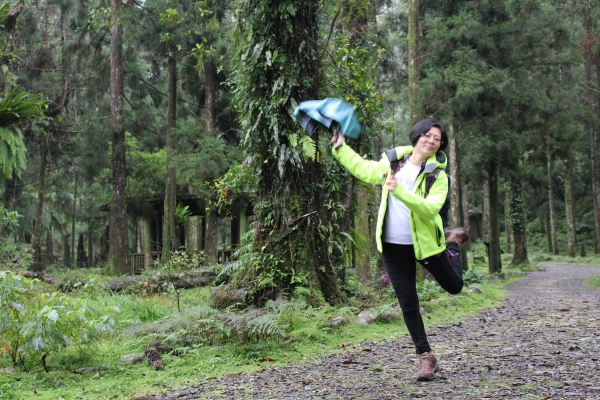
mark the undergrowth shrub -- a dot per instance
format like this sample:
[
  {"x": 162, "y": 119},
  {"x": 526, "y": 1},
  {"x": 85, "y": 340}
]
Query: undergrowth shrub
[
  {"x": 34, "y": 325},
  {"x": 472, "y": 276},
  {"x": 428, "y": 290}
]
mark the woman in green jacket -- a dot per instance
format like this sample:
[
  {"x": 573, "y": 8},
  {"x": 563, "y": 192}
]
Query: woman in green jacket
[{"x": 409, "y": 226}]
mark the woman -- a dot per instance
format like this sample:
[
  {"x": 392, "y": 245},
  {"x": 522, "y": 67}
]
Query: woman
[{"x": 409, "y": 226}]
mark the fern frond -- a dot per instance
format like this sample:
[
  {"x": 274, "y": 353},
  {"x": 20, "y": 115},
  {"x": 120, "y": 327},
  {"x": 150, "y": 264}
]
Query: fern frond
[
  {"x": 265, "y": 326},
  {"x": 12, "y": 152},
  {"x": 16, "y": 107},
  {"x": 308, "y": 148}
]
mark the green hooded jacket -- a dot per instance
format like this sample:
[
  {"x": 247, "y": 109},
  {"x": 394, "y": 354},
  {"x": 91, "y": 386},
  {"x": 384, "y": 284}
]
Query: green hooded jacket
[{"x": 425, "y": 221}]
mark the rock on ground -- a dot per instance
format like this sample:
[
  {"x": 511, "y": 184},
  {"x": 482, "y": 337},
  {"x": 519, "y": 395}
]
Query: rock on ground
[{"x": 543, "y": 342}]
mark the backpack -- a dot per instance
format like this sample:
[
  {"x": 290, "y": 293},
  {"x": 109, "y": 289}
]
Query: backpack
[{"x": 396, "y": 163}]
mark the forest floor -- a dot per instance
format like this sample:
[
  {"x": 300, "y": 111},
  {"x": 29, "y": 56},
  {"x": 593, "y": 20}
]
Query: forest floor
[{"x": 543, "y": 342}]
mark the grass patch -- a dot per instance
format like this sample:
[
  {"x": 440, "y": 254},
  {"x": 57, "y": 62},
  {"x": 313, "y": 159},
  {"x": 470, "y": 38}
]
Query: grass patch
[
  {"x": 140, "y": 320},
  {"x": 594, "y": 281}
]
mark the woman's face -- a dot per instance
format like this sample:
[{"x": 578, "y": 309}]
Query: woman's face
[{"x": 429, "y": 142}]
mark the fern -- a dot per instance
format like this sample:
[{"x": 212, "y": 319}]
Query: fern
[
  {"x": 12, "y": 152},
  {"x": 308, "y": 148},
  {"x": 21, "y": 106},
  {"x": 264, "y": 327}
]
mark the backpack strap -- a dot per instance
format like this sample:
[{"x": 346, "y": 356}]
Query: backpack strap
[
  {"x": 392, "y": 154},
  {"x": 431, "y": 177}
]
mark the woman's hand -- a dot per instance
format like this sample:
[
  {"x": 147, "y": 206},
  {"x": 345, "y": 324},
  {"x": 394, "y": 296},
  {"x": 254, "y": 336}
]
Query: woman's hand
[
  {"x": 338, "y": 139},
  {"x": 391, "y": 182}
]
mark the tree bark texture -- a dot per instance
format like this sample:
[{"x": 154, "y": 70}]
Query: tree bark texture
[
  {"x": 485, "y": 224},
  {"x": 210, "y": 71},
  {"x": 414, "y": 62},
  {"x": 570, "y": 208},
  {"x": 74, "y": 220},
  {"x": 455, "y": 213},
  {"x": 170, "y": 240},
  {"x": 465, "y": 213},
  {"x": 49, "y": 247},
  {"x": 119, "y": 234},
  {"x": 548, "y": 232},
  {"x": 495, "y": 261},
  {"x": 361, "y": 223},
  {"x": 590, "y": 61},
  {"x": 518, "y": 219},
  {"x": 211, "y": 240},
  {"x": 552, "y": 226},
  {"x": 507, "y": 212},
  {"x": 596, "y": 171},
  {"x": 38, "y": 229}
]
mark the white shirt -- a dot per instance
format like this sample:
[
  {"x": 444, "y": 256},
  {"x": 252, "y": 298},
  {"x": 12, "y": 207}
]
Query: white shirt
[{"x": 397, "y": 221}]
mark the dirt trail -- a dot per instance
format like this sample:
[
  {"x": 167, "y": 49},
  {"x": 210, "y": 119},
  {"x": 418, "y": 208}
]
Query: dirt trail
[{"x": 542, "y": 343}]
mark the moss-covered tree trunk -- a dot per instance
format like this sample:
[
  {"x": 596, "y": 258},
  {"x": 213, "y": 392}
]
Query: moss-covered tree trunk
[
  {"x": 170, "y": 240},
  {"x": 414, "y": 62},
  {"x": 455, "y": 213},
  {"x": 279, "y": 66},
  {"x": 119, "y": 233}
]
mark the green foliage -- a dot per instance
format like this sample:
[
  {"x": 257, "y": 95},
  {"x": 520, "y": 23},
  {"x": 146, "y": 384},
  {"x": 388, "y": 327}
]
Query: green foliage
[
  {"x": 12, "y": 152},
  {"x": 428, "y": 290},
  {"x": 472, "y": 276},
  {"x": 31, "y": 327},
  {"x": 180, "y": 261},
  {"x": 182, "y": 214},
  {"x": 11, "y": 254},
  {"x": 21, "y": 106},
  {"x": 593, "y": 282}
]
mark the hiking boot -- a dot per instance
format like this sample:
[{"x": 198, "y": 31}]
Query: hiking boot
[
  {"x": 457, "y": 235},
  {"x": 429, "y": 366}
]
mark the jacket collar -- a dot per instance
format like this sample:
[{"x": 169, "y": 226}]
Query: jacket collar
[{"x": 438, "y": 160}]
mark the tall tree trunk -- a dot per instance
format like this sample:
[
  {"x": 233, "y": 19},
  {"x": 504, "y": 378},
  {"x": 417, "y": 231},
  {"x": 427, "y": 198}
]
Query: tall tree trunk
[
  {"x": 82, "y": 259},
  {"x": 361, "y": 223},
  {"x": 66, "y": 250},
  {"x": 210, "y": 118},
  {"x": 49, "y": 247},
  {"x": 549, "y": 246},
  {"x": 211, "y": 241},
  {"x": 37, "y": 226},
  {"x": 465, "y": 213},
  {"x": 170, "y": 242},
  {"x": 485, "y": 223},
  {"x": 495, "y": 261},
  {"x": 90, "y": 245},
  {"x": 455, "y": 218},
  {"x": 414, "y": 62},
  {"x": 119, "y": 234},
  {"x": 518, "y": 219},
  {"x": 569, "y": 207},
  {"x": 74, "y": 219},
  {"x": 293, "y": 226},
  {"x": 507, "y": 213},
  {"x": 551, "y": 202},
  {"x": 590, "y": 60}
]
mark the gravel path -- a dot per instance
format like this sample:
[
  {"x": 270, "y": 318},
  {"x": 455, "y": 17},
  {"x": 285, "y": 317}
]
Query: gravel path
[{"x": 542, "y": 343}]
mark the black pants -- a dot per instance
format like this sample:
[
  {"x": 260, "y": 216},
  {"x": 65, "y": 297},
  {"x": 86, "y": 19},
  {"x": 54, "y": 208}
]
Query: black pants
[{"x": 400, "y": 264}]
